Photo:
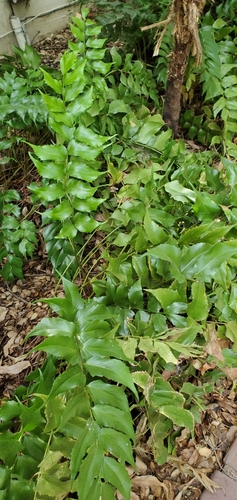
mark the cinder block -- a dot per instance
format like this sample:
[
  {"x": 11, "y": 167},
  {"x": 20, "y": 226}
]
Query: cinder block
[
  {"x": 229, "y": 485},
  {"x": 231, "y": 456}
]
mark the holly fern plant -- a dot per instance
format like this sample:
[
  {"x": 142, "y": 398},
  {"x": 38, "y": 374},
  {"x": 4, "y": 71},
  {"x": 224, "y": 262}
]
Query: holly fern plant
[
  {"x": 70, "y": 166},
  {"x": 70, "y": 434}
]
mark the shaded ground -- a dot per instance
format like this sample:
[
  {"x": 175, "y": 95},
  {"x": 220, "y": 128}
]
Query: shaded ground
[
  {"x": 52, "y": 47},
  {"x": 182, "y": 477},
  {"x": 20, "y": 311}
]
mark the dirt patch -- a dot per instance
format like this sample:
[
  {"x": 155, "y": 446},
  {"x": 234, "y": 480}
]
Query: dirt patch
[{"x": 52, "y": 48}]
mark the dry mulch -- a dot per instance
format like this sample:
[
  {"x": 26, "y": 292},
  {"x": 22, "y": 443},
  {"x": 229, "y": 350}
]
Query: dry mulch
[
  {"x": 52, "y": 48},
  {"x": 20, "y": 311},
  {"x": 183, "y": 476}
]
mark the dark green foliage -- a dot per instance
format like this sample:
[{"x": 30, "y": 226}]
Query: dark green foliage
[
  {"x": 165, "y": 219},
  {"x": 226, "y": 9},
  {"x": 72, "y": 422},
  {"x": 199, "y": 127},
  {"x": 215, "y": 79},
  {"x": 17, "y": 236},
  {"x": 123, "y": 21},
  {"x": 91, "y": 96},
  {"x": 21, "y": 105},
  {"x": 219, "y": 79},
  {"x": 217, "y": 76},
  {"x": 161, "y": 62},
  {"x": 76, "y": 112}
]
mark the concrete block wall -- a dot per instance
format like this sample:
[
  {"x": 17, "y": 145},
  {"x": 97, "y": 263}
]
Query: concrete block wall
[{"x": 38, "y": 19}]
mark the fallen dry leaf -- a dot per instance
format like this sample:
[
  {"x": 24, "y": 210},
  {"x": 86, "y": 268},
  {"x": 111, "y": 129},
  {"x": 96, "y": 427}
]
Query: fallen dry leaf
[
  {"x": 130, "y": 470},
  {"x": 226, "y": 404},
  {"x": 206, "y": 367},
  {"x": 179, "y": 496},
  {"x": 213, "y": 347},
  {"x": 148, "y": 482},
  {"x": 166, "y": 374},
  {"x": 230, "y": 372},
  {"x": 197, "y": 364},
  {"x": 207, "y": 481},
  {"x": 10, "y": 342},
  {"x": 194, "y": 458},
  {"x": 184, "y": 434},
  {"x": 187, "y": 453},
  {"x": 133, "y": 496},
  {"x": 224, "y": 343},
  {"x": 185, "y": 487},
  {"x": 3, "y": 312},
  {"x": 14, "y": 369},
  {"x": 141, "y": 467},
  {"x": 169, "y": 492},
  {"x": 205, "y": 452}
]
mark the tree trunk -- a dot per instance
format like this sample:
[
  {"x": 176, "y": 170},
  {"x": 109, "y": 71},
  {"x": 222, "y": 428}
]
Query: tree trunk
[{"x": 185, "y": 14}]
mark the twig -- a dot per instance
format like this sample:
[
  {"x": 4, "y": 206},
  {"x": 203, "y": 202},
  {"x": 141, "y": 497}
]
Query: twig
[
  {"x": 159, "y": 41},
  {"x": 17, "y": 296},
  {"x": 156, "y": 25}
]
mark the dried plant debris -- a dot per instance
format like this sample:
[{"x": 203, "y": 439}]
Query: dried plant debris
[{"x": 51, "y": 48}]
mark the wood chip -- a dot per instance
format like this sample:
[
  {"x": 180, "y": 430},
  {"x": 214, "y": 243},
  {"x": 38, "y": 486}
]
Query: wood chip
[
  {"x": 141, "y": 466},
  {"x": 7, "y": 346},
  {"x": 3, "y": 313},
  {"x": 205, "y": 452},
  {"x": 148, "y": 482},
  {"x": 14, "y": 369}
]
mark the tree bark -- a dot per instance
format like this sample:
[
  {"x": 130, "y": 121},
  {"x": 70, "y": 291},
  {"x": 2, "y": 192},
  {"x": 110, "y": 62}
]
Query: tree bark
[{"x": 185, "y": 15}]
